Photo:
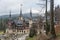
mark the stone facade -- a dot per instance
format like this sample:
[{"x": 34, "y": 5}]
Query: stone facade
[{"x": 19, "y": 25}]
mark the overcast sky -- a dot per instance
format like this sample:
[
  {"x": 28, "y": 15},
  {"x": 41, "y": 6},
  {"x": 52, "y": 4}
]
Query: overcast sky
[{"x": 14, "y": 6}]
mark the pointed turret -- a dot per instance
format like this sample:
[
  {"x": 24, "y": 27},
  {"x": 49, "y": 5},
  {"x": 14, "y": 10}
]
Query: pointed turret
[
  {"x": 10, "y": 15},
  {"x": 30, "y": 21},
  {"x": 21, "y": 11},
  {"x": 30, "y": 14},
  {"x": 21, "y": 16}
]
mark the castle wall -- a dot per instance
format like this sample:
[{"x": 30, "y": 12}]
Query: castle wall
[{"x": 30, "y": 23}]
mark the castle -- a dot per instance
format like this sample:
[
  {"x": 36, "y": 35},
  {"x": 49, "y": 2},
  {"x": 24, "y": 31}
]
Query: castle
[{"x": 19, "y": 25}]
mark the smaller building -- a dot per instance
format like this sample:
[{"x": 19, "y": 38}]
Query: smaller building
[{"x": 57, "y": 28}]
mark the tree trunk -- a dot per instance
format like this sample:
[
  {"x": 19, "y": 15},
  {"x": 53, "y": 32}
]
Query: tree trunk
[{"x": 52, "y": 29}]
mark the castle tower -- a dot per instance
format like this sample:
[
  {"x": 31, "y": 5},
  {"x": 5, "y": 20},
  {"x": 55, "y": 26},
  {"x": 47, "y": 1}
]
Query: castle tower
[
  {"x": 30, "y": 14},
  {"x": 9, "y": 20},
  {"x": 30, "y": 20},
  {"x": 9, "y": 25},
  {"x": 21, "y": 16}
]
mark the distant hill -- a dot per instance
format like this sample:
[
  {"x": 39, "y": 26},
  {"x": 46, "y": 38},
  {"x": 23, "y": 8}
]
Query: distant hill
[{"x": 26, "y": 15}]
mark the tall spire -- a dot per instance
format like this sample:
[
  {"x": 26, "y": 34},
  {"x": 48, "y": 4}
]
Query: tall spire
[
  {"x": 30, "y": 21},
  {"x": 21, "y": 16},
  {"x": 10, "y": 15},
  {"x": 21, "y": 10},
  {"x": 30, "y": 13}
]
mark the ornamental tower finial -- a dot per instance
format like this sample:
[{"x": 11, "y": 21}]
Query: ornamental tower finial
[{"x": 21, "y": 10}]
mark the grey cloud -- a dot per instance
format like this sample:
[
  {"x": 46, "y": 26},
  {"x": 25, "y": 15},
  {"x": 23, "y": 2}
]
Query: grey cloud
[{"x": 14, "y": 5}]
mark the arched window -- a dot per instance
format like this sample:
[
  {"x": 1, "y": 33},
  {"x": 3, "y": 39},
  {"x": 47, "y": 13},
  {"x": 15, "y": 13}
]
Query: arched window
[
  {"x": 24, "y": 31},
  {"x": 20, "y": 30}
]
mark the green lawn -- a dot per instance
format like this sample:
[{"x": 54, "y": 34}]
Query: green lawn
[
  {"x": 32, "y": 38},
  {"x": 58, "y": 34},
  {"x": 1, "y": 32}
]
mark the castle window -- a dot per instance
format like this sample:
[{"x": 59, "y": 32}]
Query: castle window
[
  {"x": 20, "y": 30},
  {"x": 24, "y": 31}
]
